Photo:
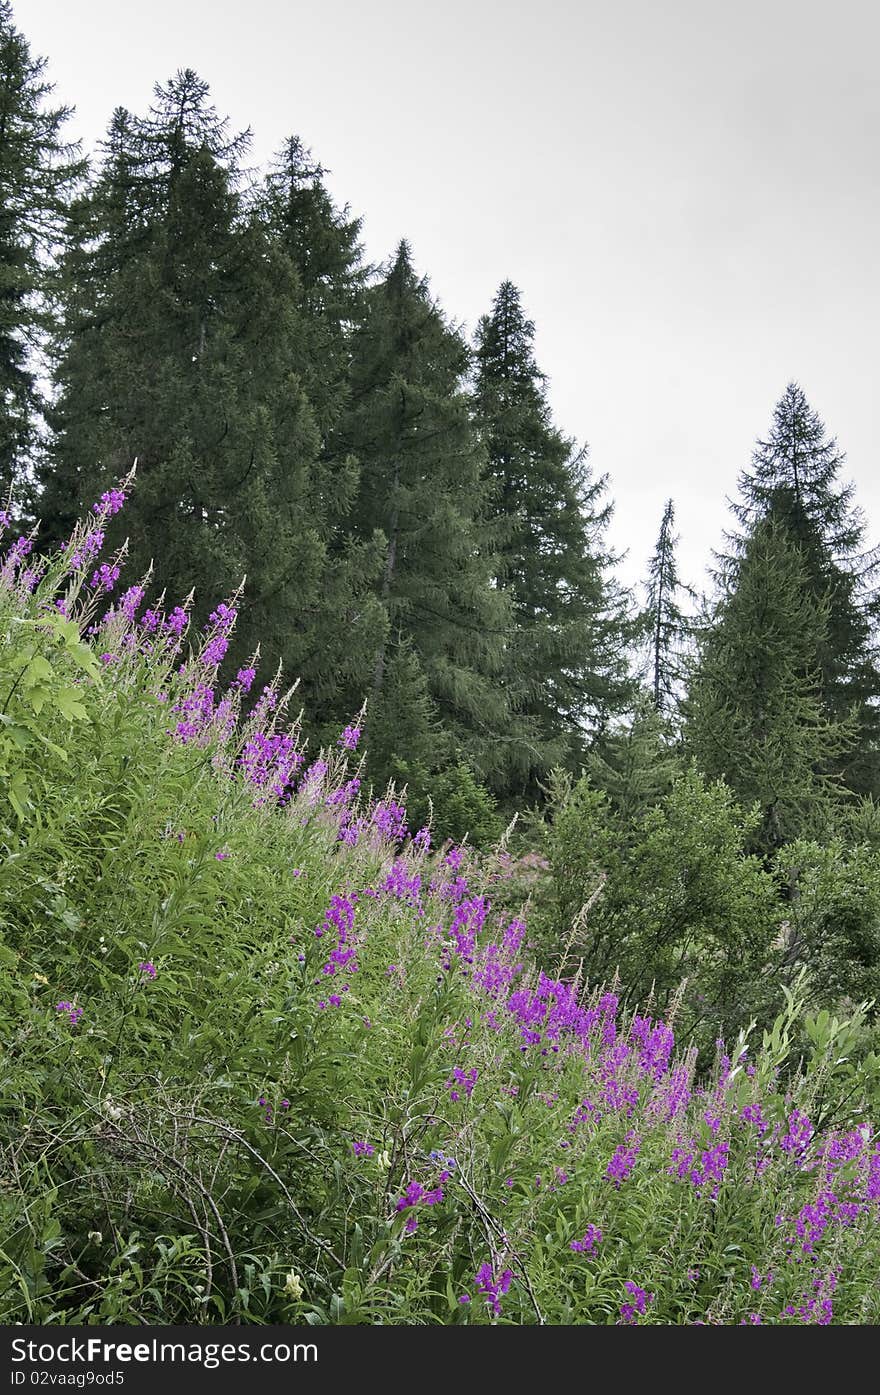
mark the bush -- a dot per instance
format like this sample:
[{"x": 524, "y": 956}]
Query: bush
[{"x": 668, "y": 898}]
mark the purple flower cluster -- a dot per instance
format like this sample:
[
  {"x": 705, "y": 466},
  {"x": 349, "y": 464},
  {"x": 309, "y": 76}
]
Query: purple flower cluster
[
  {"x": 105, "y": 577},
  {"x": 111, "y": 502},
  {"x": 467, "y": 923},
  {"x": 751, "y": 1114},
  {"x": 813, "y": 1220},
  {"x": 631, "y": 1312},
  {"x": 706, "y": 1170},
  {"x": 552, "y": 1010},
  {"x": 624, "y": 1160},
  {"x": 221, "y": 622},
  {"x": 656, "y": 1041},
  {"x": 592, "y": 1237},
  {"x": 492, "y": 1289},
  {"x": 461, "y": 1081},
  {"x": 338, "y": 922},
  {"x": 73, "y": 1013},
  {"x": 87, "y": 549},
  {"x": 147, "y": 968},
  {"x": 269, "y": 762},
  {"x": 403, "y": 884},
  {"x": 416, "y": 1195},
  {"x": 197, "y": 711},
  {"x": 350, "y": 738},
  {"x": 244, "y": 679},
  {"x": 797, "y": 1138},
  {"x": 389, "y": 819},
  {"x": 131, "y": 602}
]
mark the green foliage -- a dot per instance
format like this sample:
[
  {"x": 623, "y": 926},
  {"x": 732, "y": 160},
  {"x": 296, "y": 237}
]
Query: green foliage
[
  {"x": 453, "y": 802},
  {"x": 794, "y": 481},
  {"x": 264, "y": 1058},
  {"x": 178, "y": 1145},
  {"x": 833, "y": 924},
  {"x": 663, "y": 896},
  {"x": 38, "y": 173},
  {"x": 184, "y": 346},
  {"x": 666, "y": 625},
  {"x": 566, "y": 665},
  {"x": 410, "y": 427},
  {"x": 754, "y": 712},
  {"x": 41, "y": 663},
  {"x": 635, "y": 764}
]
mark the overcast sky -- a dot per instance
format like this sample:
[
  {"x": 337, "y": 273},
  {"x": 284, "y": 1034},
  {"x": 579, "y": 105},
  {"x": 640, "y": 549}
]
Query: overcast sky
[{"x": 685, "y": 192}]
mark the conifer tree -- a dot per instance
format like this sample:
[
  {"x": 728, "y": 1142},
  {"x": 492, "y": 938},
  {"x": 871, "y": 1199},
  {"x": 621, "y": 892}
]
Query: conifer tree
[
  {"x": 322, "y": 243},
  {"x": 794, "y": 479},
  {"x": 754, "y": 712},
  {"x": 666, "y": 622},
  {"x": 421, "y": 466},
  {"x": 565, "y": 665},
  {"x": 182, "y": 347},
  {"x": 634, "y": 763},
  {"x": 38, "y": 173}
]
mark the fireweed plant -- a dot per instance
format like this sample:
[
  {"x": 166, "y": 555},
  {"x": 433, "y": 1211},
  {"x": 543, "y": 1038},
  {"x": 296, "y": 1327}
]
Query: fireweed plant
[{"x": 269, "y": 1056}]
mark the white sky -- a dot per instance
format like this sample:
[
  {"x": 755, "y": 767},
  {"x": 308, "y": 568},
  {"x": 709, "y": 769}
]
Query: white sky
[{"x": 685, "y": 192}]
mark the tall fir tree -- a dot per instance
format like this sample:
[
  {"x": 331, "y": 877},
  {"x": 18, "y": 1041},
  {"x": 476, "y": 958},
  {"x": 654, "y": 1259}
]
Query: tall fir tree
[
  {"x": 39, "y": 171},
  {"x": 666, "y": 623},
  {"x": 794, "y": 479},
  {"x": 182, "y": 347},
  {"x": 422, "y": 485},
  {"x": 754, "y": 711},
  {"x": 323, "y": 244},
  {"x": 566, "y": 665}
]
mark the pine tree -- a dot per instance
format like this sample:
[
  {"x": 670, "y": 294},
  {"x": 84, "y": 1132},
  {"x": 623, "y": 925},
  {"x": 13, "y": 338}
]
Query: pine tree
[
  {"x": 754, "y": 711},
  {"x": 38, "y": 173},
  {"x": 565, "y": 666},
  {"x": 666, "y": 622},
  {"x": 182, "y": 347},
  {"x": 409, "y": 425},
  {"x": 634, "y": 763},
  {"x": 793, "y": 479},
  {"x": 323, "y": 244}
]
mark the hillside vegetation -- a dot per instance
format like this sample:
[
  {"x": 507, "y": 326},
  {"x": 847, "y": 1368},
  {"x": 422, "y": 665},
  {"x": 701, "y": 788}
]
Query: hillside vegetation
[{"x": 269, "y": 1056}]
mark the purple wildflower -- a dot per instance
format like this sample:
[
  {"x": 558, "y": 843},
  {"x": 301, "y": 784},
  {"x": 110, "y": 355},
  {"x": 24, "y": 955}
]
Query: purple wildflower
[
  {"x": 105, "y": 577},
  {"x": 244, "y": 679},
  {"x": 465, "y": 1081},
  {"x": 624, "y": 1160},
  {"x": 173, "y": 624},
  {"x": 111, "y": 502},
  {"x": 492, "y": 1289},
  {"x": 592, "y": 1238},
  {"x": 631, "y": 1312},
  {"x": 88, "y": 548},
  {"x": 73, "y": 1013}
]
